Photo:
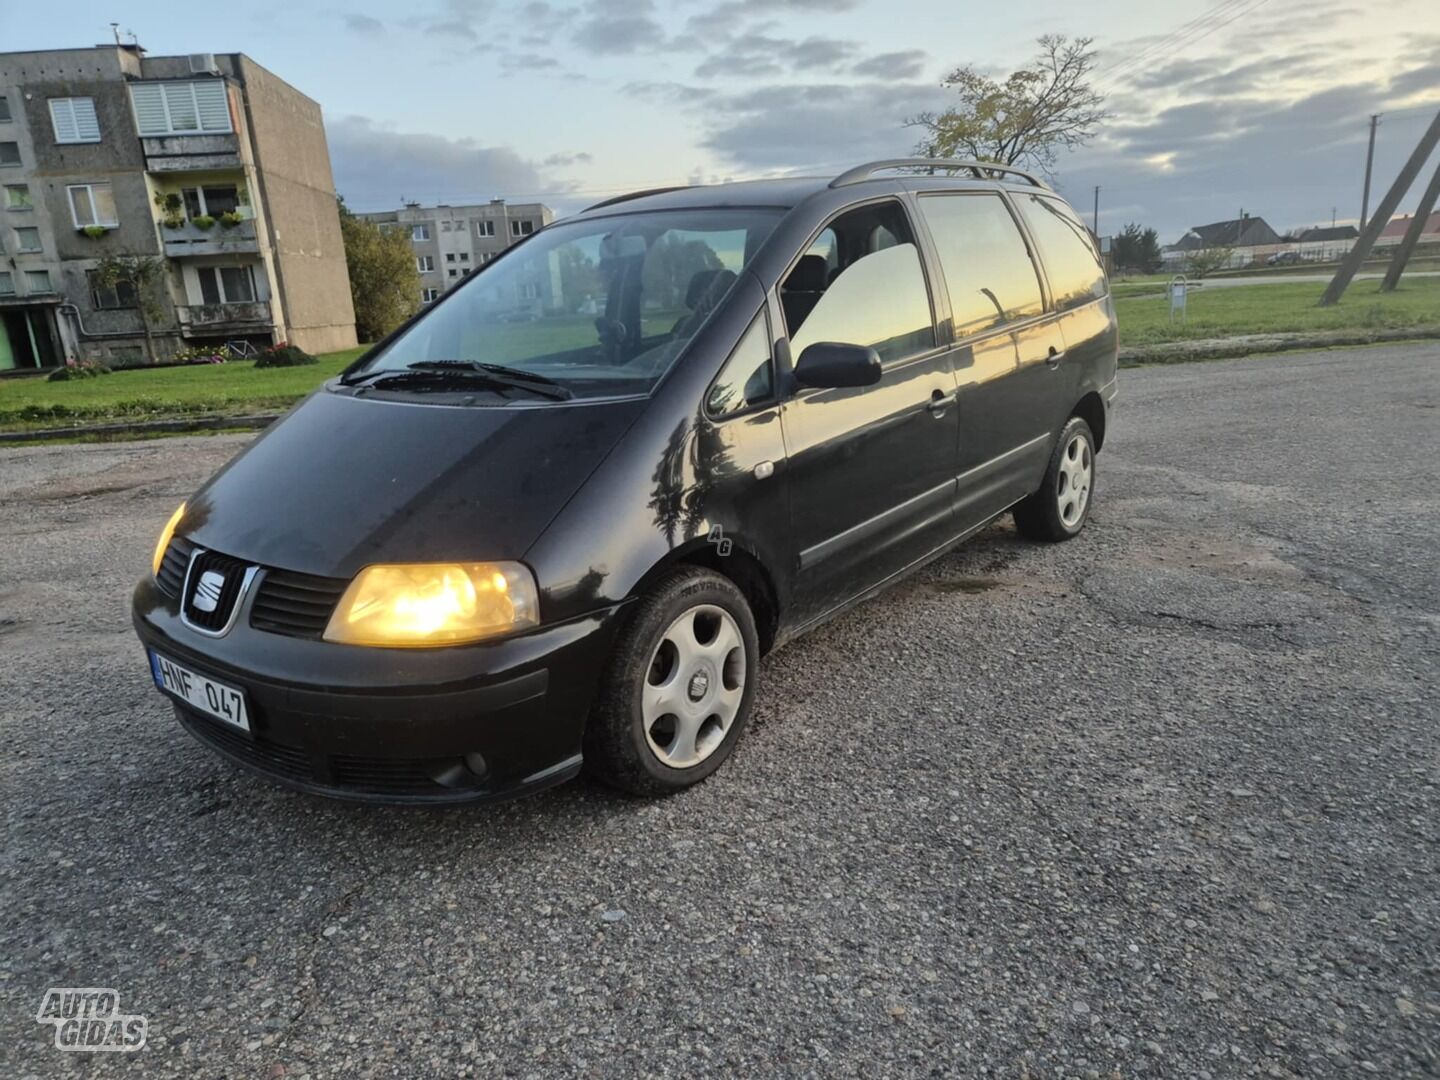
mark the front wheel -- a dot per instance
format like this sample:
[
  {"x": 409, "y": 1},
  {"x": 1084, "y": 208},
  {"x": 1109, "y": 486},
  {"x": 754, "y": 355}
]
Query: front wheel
[
  {"x": 1061, "y": 507},
  {"x": 679, "y": 688}
]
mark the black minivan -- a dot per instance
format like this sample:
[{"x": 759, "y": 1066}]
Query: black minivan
[{"x": 557, "y": 518}]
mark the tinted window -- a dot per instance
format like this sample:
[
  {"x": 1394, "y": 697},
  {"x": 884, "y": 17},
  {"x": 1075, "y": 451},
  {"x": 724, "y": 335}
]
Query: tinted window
[
  {"x": 1076, "y": 276},
  {"x": 747, "y": 378},
  {"x": 870, "y": 291},
  {"x": 987, "y": 267}
]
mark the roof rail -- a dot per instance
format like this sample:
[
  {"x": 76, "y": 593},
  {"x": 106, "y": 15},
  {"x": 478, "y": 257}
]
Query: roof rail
[
  {"x": 634, "y": 195},
  {"x": 983, "y": 170}
]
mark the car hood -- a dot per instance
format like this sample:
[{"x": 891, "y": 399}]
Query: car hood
[{"x": 343, "y": 482}]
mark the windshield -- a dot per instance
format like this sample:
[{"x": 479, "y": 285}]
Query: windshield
[{"x": 600, "y": 307}]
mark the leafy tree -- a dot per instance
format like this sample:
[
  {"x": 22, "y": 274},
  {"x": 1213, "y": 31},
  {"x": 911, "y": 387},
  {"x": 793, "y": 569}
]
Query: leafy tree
[
  {"x": 579, "y": 278},
  {"x": 1025, "y": 118},
  {"x": 145, "y": 274},
  {"x": 1207, "y": 260},
  {"x": 1137, "y": 249},
  {"x": 670, "y": 264},
  {"x": 384, "y": 282}
]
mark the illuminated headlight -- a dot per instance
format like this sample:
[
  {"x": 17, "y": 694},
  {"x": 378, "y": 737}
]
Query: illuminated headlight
[
  {"x": 419, "y": 604},
  {"x": 166, "y": 535}
]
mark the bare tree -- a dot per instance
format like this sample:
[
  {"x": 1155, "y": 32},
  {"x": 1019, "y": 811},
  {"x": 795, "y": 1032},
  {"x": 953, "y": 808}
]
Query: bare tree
[
  {"x": 1026, "y": 118},
  {"x": 1207, "y": 260}
]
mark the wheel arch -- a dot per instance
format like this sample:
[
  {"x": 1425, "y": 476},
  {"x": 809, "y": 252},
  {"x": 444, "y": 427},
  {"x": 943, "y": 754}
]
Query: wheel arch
[
  {"x": 741, "y": 566},
  {"x": 1091, "y": 409}
]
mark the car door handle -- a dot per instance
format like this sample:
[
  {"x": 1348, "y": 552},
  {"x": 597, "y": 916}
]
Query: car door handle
[
  {"x": 939, "y": 402},
  {"x": 1054, "y": 357}
]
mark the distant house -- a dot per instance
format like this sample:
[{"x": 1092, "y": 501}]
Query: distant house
[
  {"x": 1248, "y": 238},
  {"x": 1394, "y": 232},
  {"x": 1324, "y": 244}
]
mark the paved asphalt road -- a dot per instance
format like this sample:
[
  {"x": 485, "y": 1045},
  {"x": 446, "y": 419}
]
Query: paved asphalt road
[{"x": 1161, "y": 802}]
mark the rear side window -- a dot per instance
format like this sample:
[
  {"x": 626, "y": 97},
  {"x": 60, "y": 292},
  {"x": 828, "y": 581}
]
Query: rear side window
[
  {"x": 873, "y": 293},
  {"x": 987, "y": 267},
  {"x": 1076, "y": 276},
  {"x": 747, "y": 379}
]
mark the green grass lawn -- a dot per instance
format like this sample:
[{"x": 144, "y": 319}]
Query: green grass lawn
[
  {"x": 141, "y": 394},
  {"x": 1278, "y": 308}
]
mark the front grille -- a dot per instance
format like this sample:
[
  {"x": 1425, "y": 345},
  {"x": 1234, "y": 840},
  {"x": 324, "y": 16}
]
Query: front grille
[
  {"x": 232, "y": 580},
  {"x": 298, "y": 605},
  {"x": 286, "y": 761},
  {"x": 173, "y": 565},
  {"x": 339, "y": 773}
]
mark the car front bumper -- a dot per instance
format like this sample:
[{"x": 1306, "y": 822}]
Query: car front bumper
[{"x": 457, "y": 724}]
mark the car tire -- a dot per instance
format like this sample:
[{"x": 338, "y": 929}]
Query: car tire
[
  {"x": 1059, "y": 510},
  {"x": 679, "y": 687}
]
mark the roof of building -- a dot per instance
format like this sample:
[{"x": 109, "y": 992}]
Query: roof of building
[
  {"x": 1398, "y": 225},
  {"x": 1237, "y": 232},
  {"x": 1329, "y": 232}
]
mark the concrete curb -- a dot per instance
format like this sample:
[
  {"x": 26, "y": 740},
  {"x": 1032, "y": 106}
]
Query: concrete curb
[
  {"x": 146, "y": 427},
  {"x": 1180, "y": 352}
]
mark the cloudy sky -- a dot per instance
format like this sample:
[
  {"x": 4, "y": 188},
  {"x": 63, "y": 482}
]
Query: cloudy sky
[{"x": 1218, "y": 106}]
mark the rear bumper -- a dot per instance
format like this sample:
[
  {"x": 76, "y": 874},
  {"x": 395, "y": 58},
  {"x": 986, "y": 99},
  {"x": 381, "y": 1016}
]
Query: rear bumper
[{"x": 442, "y": 725}]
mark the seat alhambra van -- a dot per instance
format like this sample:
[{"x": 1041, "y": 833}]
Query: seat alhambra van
[{"x": 557, "y": 518}]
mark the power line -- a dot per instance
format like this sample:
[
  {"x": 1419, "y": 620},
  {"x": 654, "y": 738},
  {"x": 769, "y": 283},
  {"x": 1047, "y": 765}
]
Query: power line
[
  {"x": 1192, "y": 32},
  {"x": 1168, "y": 39}
]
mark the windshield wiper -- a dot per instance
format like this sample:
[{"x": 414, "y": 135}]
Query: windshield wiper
[
  {"x": 450, "y": 373},
  {"x": 530, "y": 380}
]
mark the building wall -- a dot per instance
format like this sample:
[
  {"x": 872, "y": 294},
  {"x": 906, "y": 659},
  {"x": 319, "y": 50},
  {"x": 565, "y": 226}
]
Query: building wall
[{"x": 292, "y": 172}]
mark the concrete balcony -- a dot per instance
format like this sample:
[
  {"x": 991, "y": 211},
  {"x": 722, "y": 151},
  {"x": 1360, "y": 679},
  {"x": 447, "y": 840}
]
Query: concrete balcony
[
  {"x": 206, "y": 320},
  {"x": 187, "y": 153},
  {"x": 188, "y": 240}
]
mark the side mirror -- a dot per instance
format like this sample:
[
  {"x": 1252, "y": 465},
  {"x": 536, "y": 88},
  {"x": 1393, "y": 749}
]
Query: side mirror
[{"x": 830, "y": 364}]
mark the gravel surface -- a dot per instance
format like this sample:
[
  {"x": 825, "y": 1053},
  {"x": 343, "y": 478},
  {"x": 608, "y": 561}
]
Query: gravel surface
[{"x": 1159, "y": 802}]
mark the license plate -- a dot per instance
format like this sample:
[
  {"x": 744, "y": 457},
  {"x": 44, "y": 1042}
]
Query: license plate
[{"x": 200, "y": 692}]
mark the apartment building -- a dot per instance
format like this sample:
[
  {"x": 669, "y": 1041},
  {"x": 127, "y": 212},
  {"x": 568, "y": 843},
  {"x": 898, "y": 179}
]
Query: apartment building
[
  {"x": 452, "y": 242},
  {"x": 208, "y": 163}
]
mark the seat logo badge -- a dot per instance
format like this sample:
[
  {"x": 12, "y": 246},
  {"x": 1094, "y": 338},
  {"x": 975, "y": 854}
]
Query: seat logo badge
[{"x": 207, "y": 592}]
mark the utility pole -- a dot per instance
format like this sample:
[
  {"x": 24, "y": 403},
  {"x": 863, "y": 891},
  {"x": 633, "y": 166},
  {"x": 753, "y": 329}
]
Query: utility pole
[
  {"x": 1369, "y": 163},
  {"x": 1392, "y": 198},
  {"x": 1412, "y": 234},
  {"x": 1095, "y": 228}
]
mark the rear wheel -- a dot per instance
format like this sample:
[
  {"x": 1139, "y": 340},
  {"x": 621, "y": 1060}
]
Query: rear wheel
[
  {"x": 679, "y": 688},
  {"x": 1061, "y": 507}
]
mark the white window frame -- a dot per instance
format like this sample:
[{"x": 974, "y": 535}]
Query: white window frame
[
  {"x": 429, "y": 296},
  {"x": 485, "y": 227},
  {"x": 89, "y": 190},
  {"x": 78, "y": 118},
  {"x": 170, "y": 128},
  {"x": 24, "y": 250},
  {"x": 215, "y": 268},
  {"x": 521, "y": 227},
  {"x": 425, "y": 264},
  {"x": 419, "y": 232}
]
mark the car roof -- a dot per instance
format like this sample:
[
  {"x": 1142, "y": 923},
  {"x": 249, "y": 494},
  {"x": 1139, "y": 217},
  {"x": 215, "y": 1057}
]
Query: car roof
[{"x": 791, "y": 191}]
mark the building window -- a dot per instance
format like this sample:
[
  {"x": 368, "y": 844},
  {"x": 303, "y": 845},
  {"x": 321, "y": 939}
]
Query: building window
[
  {"x": 226, "y": 284},
  {"x": 181, "y": 108},
  {"x": 484, "y": 228},
  {"x": 449, "y": 256},
  {"x": 446, "y": 226},
  {"x": 425, "y": 264},
  {"x": 111, "y": 297},
  {"x": 9, "y": 153},
  {"x": 419, "y": 232},
  {"x": 453, "y": 273},
  {"x": 74, "y": 120},
  {"x": 529, "y": 291},
  {"x": 28, "y": 239},
  {"x": 17, "y": 197},
  {"x": 464, "y": 256},
  {"x": 92, "y": 204},
  {"x": 211, "y": 201},
  {"x": 467, "y": 271},
  {"x": 429, "y": 296},
  {"x": 7, "y": 283},
  {"x": 37, "y": 281},
  {"x": 4, "y": 109},
  {"x": 521, "y": 228}
]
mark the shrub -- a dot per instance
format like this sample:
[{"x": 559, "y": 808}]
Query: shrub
[
  {"x": 202, "y": 221},
  {"x": 283, "y": 355},
  {"x": 230, "y": 219},
  {"x": 78, "y": 369},
  {"x": 94, "y": 232},
  {"x": 204, "y": 354}
]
